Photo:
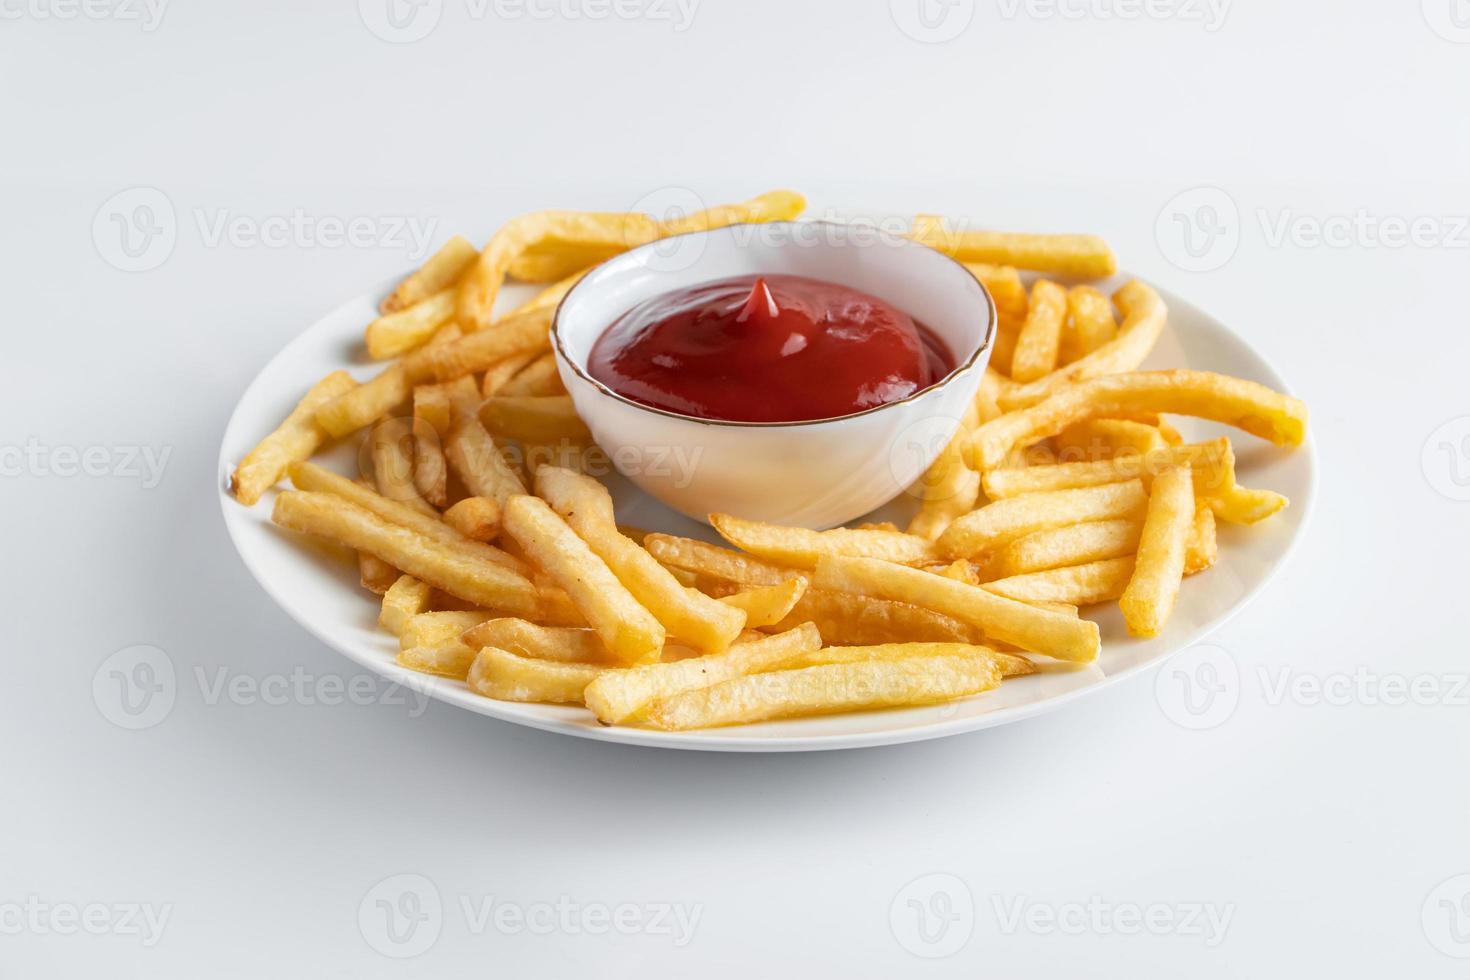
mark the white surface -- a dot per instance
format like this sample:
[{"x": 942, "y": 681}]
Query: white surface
[
  {"x": 814, "y": 473},
  {"x": 322, "y": 592},
  {"x": 1333, "y": 831}
]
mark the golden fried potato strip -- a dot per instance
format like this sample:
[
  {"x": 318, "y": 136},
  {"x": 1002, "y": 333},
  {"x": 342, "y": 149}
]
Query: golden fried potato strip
[
  {"x": 294, "y": 439},
  {"x": 857, "y": 686},
  {"x": 1028, "y": 627},
  {"x": 1246, "y": 405},
  {"x": 801, "y": 548}
]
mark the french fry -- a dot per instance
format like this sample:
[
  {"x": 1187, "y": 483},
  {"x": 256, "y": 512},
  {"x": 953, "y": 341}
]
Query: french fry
[
  {"x": 1092, "y": 323},
  {"x": 401, "y": 331},
  {"x": 1144, "y": 315},
  {"x": 1009, "y": 664},
  {"x": 857, "y": 686},
  {"x": 628, "y": 630},
  {"x": 497, "y": 374},
  {"x": 538, "y": 378},
  {"x": 767, "y": 605},
  {"x": 1002, "y": 521},
  {"x": 457, "y": 571},
  {"x": 1049, "y": 633},
  {"x": 505, "y": 676},
  {"x": 622, "y": 695},
  {"x": 551, "y": 265},
  {"x": 479, "y": 351},
  {"x": 1212, "y": 463},
  {"x": 1040, "y": 338},
  {"x": 477, "y": 460},
  {"x": 948, "y": 488},
  {"x": 535, "y": 419},
  {"x": 1075, "y": 256},
  {"x": 432, "y": 414},
  {"x": 405, "y": 599},
  {"x": 713, "y": 561},
  {"x": 801, "y": 548},
  {"x": 1159, "y": 566},
  {"x": 430, "y": 628},
  {"x": 527, "y": 639},
  {"x": 1072, "y": 544},
  {"x": 477, "y": 518},
  {"x": 364, "y": 404},
  {"x": 374, "y": 574},
  {"x": 685, "y": 613},
  {"x": 439, "y": 273},
  {"x": 552, "y": 295},
  {"x": 311, "y": 477},
  {"x": 1005, "y": 287},
  {"x": 1093, "y": 439},
  {"x": 1246, "y": 405},
  {"x": 294, "y": 439},
  {"x": 447, "y": 658},
  {"x": 392, "y": 445},
  {"x": 1238, "y": 505},
  {"x": 861, "y": 620},
  {"x": 1105, "y": 580}
]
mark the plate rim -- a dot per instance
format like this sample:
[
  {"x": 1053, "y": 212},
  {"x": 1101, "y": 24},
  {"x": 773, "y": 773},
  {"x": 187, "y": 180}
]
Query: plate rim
[{"x": 455, "y": 694}]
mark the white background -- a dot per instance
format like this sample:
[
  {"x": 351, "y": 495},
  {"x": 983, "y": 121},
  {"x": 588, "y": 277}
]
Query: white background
[{"x": 1329, "y": 833}]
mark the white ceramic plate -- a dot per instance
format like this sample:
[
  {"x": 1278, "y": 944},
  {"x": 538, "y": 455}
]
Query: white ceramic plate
[{"x": 320, "y": 591}]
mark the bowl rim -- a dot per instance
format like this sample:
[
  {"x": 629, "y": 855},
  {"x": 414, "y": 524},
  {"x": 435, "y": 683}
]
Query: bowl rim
[{"x": 987, "y": 339}]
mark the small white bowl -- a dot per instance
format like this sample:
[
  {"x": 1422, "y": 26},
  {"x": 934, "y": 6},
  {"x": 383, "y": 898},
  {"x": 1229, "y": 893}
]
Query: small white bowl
[{"x": 815, "y": 474}]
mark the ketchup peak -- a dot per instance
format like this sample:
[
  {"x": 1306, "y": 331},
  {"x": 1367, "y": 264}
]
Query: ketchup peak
[
  {"x": 772, "y": 348},
  {"x": 760, "y": 306}
]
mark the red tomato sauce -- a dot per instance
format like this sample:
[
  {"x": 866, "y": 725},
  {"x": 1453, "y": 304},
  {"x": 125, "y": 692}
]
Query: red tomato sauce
[{"x": 770, "y": 348}]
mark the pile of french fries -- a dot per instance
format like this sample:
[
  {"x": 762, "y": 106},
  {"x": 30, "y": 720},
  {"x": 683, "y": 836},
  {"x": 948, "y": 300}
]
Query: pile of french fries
[{"x": 1063, "y": 487}]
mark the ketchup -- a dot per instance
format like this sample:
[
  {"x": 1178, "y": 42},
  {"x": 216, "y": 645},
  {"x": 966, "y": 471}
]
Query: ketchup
[{"x": 770, "y": 348}]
